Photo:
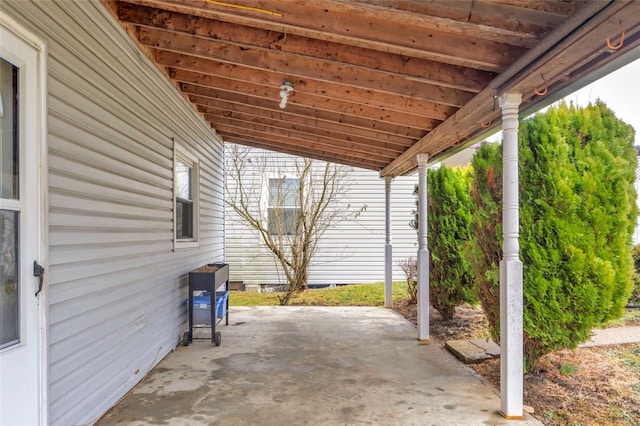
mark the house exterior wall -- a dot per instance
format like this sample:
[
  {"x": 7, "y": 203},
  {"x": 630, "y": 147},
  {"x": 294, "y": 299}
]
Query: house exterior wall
[
  {"x": 116, "y": 288},
  {"x": 351, "y": 252}
]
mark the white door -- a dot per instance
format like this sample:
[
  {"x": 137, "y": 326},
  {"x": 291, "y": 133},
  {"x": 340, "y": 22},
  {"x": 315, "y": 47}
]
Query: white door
[{"x": 22, "y": 334}]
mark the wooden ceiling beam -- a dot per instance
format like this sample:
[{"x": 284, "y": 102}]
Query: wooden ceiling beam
[
  {"x": 581, "y": 56},
  {"x": 214, "y": 74},
  {"x": 313, "y": 142},
  {"x": 352, "y": 109},
  {"x": 329, "y": 151},
  {"x": 417, "y": 69},
  {"x": 248, "y": 113},
  {"x": 261, "y": 60},
  {"x": 248, "y": 121},
  {"x": 305, "y": 133},
  {"x": 362, "y": 68},
  {"x": 294, "y": 150},
  {"x": 262, "y": 106},
  {"x": 563, "y": 8},
  {"x": 515, "y": 22},
  {"x": 580, "y": 50},
  {"x": 310, "y": 102},
  {"x": 309, "y": 19}
]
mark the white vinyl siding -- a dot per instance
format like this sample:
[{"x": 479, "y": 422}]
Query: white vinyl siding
[
  {"x": 116, "y": 287},
  {"x": 352, "y": 252}
]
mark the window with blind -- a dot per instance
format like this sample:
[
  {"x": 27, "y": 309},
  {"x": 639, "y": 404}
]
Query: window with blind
[
  {"x": 186, "y": 179},
  {"x": 284, "y": 205}
]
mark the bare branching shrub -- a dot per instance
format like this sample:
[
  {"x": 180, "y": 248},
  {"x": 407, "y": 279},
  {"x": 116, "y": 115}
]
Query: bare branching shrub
[
  {"x": 410, "y": 268},
  {"x": 289, "y": 205}
]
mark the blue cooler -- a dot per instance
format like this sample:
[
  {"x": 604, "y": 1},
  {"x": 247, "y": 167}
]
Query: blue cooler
[{"x": 202, "y": 307}]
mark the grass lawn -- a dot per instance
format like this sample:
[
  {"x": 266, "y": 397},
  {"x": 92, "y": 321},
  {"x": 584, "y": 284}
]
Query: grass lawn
[{"x": 348, "y": 295}]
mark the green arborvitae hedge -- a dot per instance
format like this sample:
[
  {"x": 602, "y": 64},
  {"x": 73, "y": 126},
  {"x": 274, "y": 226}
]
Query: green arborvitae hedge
[
  {"x": 635, "y": 293},
  {"x": 484, "y": 251},
  {"x": 577, "y": 215},
  {"x": 449, "y": 227}
]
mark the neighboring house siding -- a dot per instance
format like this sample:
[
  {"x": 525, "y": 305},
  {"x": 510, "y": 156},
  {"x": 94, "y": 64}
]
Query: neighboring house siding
[
  {"x": 116, "y": 288},
  {"x": 352, "y": 252}
]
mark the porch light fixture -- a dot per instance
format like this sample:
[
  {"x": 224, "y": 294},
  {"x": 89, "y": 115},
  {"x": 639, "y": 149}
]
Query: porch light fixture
[{"x": 285, "y": 90}]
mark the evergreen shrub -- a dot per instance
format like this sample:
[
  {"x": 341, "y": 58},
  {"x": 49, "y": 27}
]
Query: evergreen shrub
[
  {"x": 577, "y": 214},
  {"x": 449, "y": 227}
]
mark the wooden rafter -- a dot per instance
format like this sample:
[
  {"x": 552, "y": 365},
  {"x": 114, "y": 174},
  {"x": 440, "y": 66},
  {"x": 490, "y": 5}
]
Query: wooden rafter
[
  {"x": 337, "y": 118},
  {"x": 434, "y": 73},
  {"x": 335, "y": 22},
  {"x": 278, "y": 62},
  {"x": 374, "y": 81}
]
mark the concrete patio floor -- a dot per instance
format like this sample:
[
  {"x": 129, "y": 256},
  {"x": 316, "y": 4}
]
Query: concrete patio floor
[{"x": 312, "y": 366}]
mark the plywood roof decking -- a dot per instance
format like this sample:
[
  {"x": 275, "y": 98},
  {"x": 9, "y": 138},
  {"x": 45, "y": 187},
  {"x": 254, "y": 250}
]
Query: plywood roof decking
[{"x": 375, "y": 81}]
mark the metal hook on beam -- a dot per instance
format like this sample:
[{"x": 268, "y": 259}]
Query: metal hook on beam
[
  {"x": 612, "y": 46},
  {"x": 542, "y": 92}
]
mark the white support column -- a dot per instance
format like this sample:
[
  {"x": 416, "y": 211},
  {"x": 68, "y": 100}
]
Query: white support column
[
  {"x": 511, "y": 319},
  {"x": 423, "y": 250},
  {"x": 388, "y": 250}
]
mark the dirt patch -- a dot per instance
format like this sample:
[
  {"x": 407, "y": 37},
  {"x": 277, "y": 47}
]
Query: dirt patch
[
  {"x": 585, "y": 386},
  {"x": 212, "y": 267},
  {"x": 468, "y": 323}
]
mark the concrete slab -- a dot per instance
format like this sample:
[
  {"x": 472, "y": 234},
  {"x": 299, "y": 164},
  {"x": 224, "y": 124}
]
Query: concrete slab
[{"x": 312, "y": 366}]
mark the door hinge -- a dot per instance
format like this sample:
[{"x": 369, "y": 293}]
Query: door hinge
[{"x": 38, "y": 271}]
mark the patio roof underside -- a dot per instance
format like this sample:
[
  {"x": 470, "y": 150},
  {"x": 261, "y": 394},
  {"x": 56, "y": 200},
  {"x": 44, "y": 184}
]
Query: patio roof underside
[{"x": 375, "y": 81}]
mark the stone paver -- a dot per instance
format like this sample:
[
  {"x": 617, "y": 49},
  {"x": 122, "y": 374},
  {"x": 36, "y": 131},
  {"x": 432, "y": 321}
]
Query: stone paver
[
  {"x": 490, "y": 347},
  {"x": 466, "y": 351},
  {"x": 478, "y": 350}
]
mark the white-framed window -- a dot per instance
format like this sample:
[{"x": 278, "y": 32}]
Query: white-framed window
[
  {"x": 186, "y": 183},
  {"x": 284, "y": 205},
  {"x": 10, "y": 195}
]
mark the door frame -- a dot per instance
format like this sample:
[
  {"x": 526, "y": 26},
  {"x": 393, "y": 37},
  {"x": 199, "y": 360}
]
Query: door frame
[{"x": 40, "y": 133}]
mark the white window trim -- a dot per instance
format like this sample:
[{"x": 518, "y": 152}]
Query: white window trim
[
  {"x": 266, "y": 193},
  {"x": 179, "y": 152}
]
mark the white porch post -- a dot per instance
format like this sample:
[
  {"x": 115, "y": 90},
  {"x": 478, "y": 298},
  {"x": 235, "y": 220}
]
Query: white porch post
[
  {"x": 511, "y": 329},
  {"x": 388, "y": 250},
  {"x": 423, "y": 250}
]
